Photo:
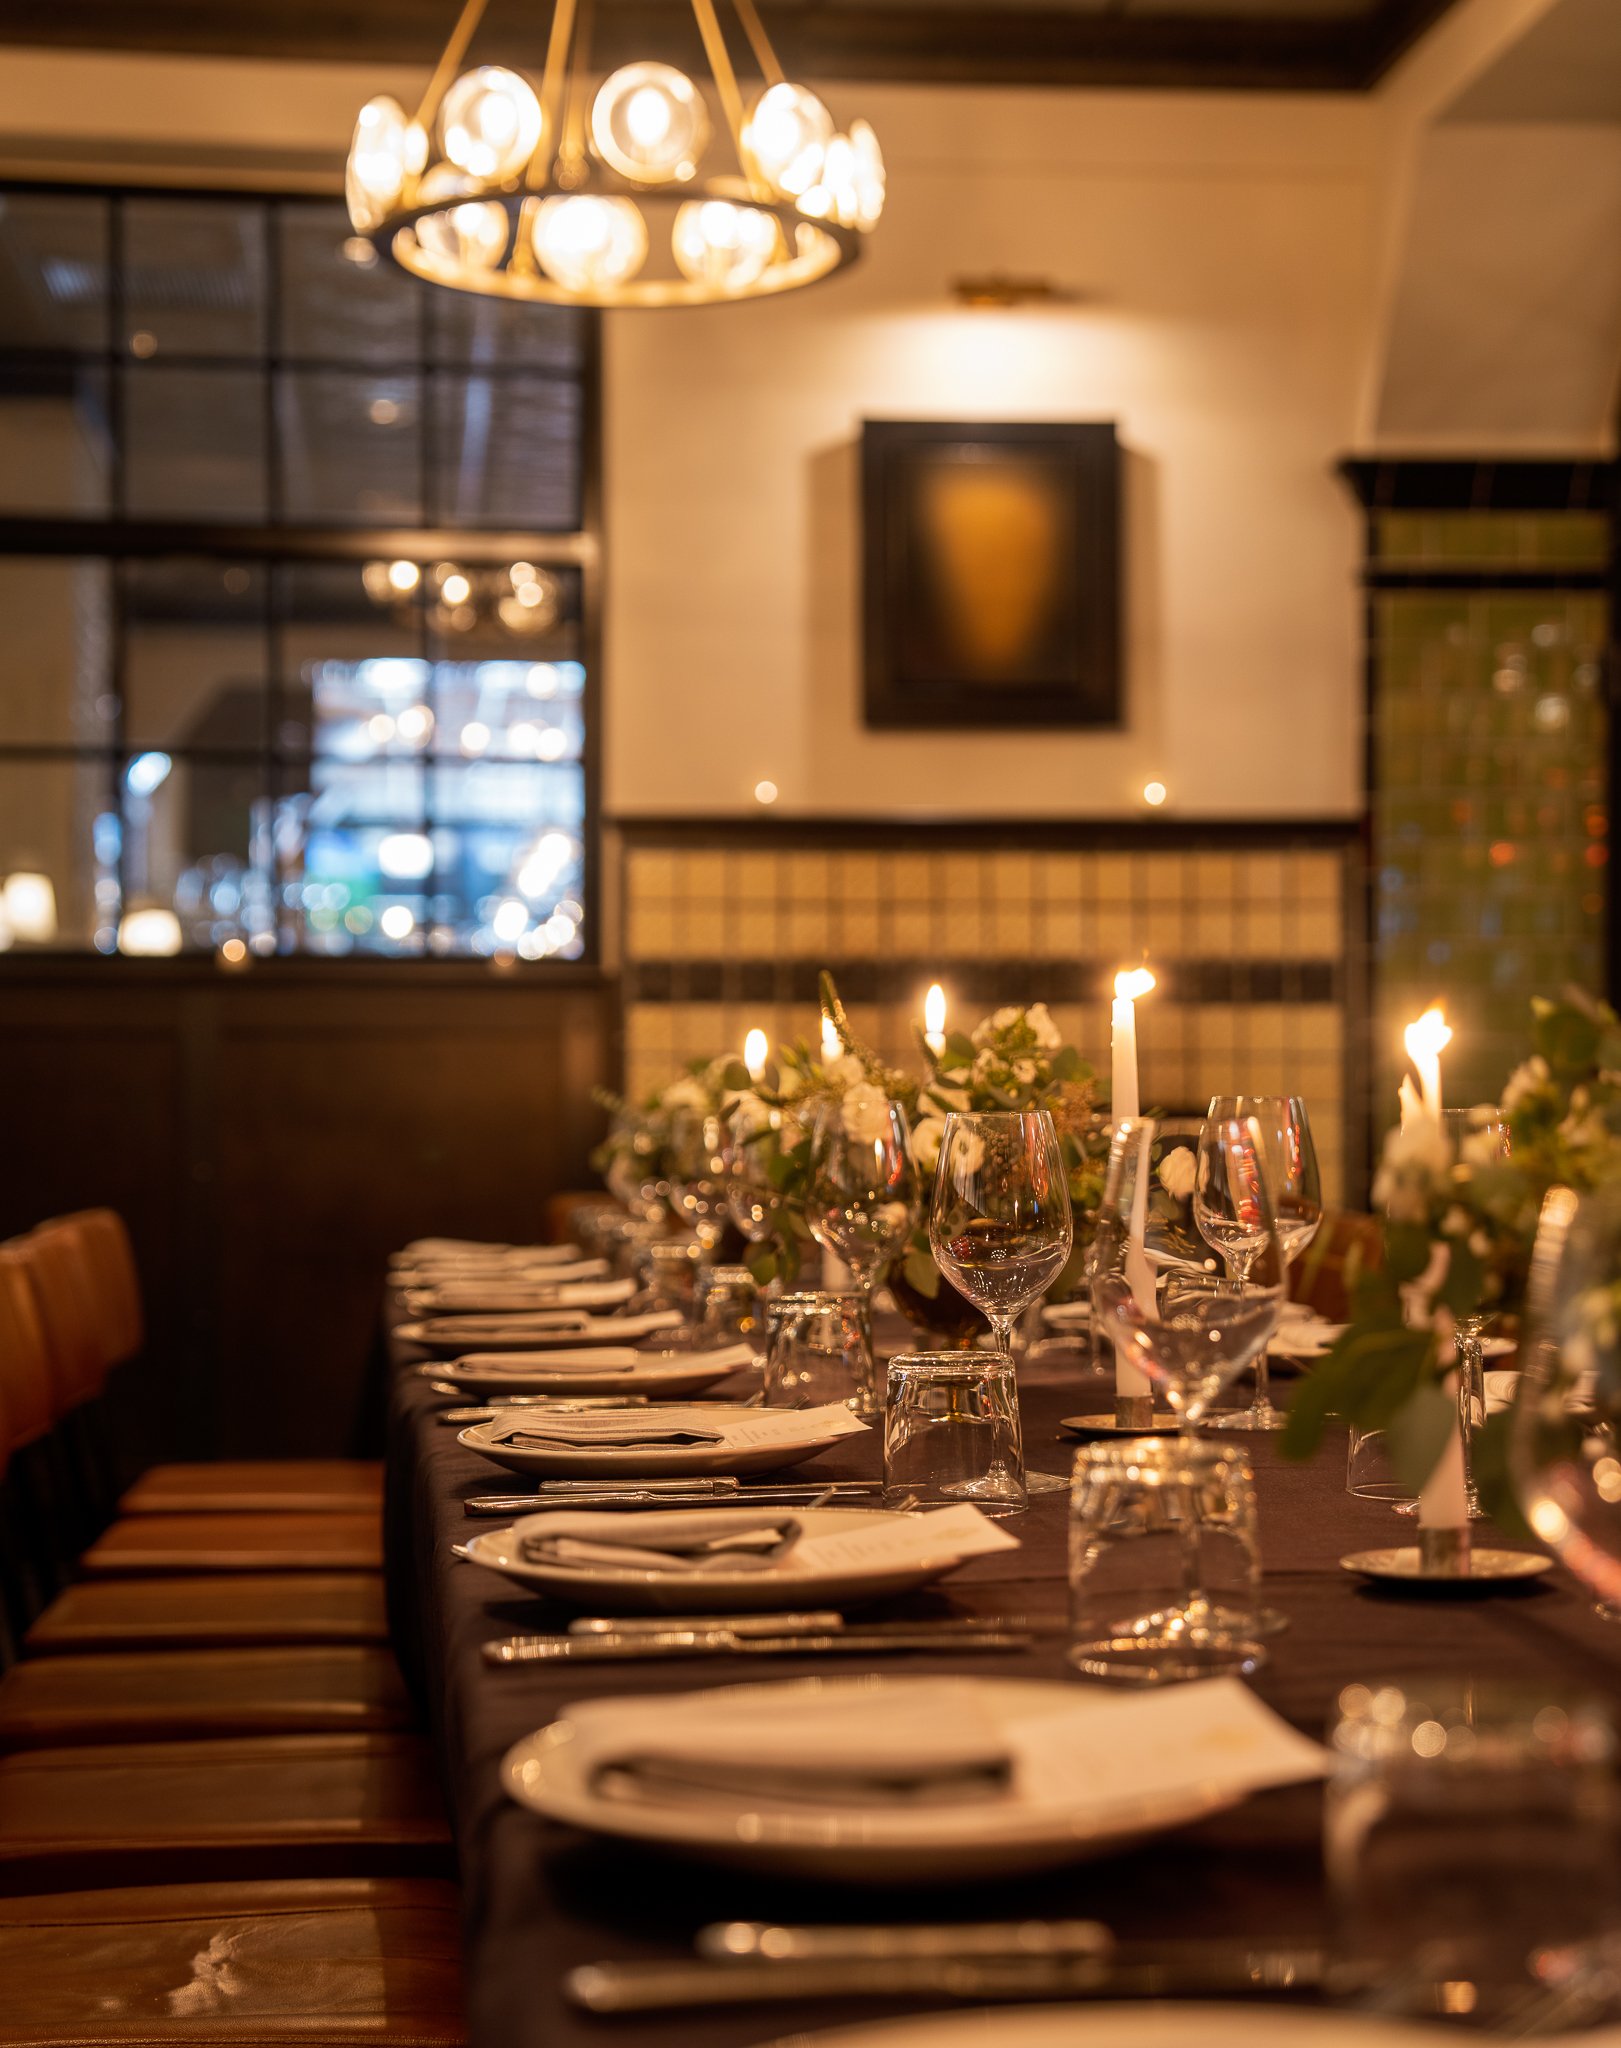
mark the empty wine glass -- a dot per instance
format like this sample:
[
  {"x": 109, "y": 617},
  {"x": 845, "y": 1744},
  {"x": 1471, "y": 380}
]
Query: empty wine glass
[
  {"x": 1564, "y": 1447},
  {"x": 1156, "y": 1289},
  {"x": 1000, "y": 1224},
  {"x": 1290, "y": 1161},
  {"x": 1477, "y": 1137},
  {"x": 752, "y": 1152},
  {"x": 698, "y": 1175},
  {"x": 863, "y": 1185}
]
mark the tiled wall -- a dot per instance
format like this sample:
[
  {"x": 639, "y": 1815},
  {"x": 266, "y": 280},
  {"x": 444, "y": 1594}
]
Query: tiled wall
[{"x": 1253, "y": 938}]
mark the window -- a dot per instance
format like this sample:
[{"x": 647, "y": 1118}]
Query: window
[
  {"x": 1491, "y": 757},
  {"x": 298, "y": 577}
]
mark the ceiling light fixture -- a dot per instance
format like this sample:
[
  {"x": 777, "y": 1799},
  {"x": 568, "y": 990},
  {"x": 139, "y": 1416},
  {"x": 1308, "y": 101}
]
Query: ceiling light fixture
[{"x": 631, "y": 193}]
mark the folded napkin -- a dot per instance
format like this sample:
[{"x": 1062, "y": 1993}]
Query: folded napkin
[
  {"x": 851, "y": 1749},
  {"x": 614, "y": 1358},
  {"x": 597, "y": 1431},
  {"x": 686, "y": 1540}
]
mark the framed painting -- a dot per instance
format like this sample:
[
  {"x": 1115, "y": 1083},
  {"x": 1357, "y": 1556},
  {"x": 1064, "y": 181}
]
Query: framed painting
[{"x": 990, "y": 574}]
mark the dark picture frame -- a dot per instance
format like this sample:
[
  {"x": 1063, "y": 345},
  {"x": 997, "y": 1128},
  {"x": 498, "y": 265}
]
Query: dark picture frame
[{"x": 991, "y": 566}]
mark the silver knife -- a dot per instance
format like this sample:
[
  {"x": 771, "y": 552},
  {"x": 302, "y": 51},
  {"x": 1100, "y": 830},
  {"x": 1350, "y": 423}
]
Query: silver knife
[
  {"x": 1170, "y": 1973},
  {"x": 833, "y": 1493},
  {"x": 946, "y": 1626},
  {"x": 768, "y": 1943},
  {"x": 464, "y": 1417},
  {"x": 729, "y": 1643}
]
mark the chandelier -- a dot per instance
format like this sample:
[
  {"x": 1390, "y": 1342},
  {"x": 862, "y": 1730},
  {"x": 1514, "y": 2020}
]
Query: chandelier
[{"x": 630, "y": 193}]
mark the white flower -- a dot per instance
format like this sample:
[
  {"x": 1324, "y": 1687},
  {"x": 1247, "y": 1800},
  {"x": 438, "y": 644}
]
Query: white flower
[
  {"x": 966, "y": 1157},
  {"x": 985, "y": 1061},
  {"x": 1024, "y": 1072},
  {"x": 865, "y": 1113},
  {"x": 1178, "y": 1171},
  {"x": 996, "y": 1023},
  {"x": 752, "y": 1114},
  {"x": 1045, "y": 1030},
  {"x": 1526, "y": 1079},
  {"x": 846, "y": 1071},
  {"x": 926, "y": 1136},
  {"x": 685, "y": 1092},
  {"x": 948, "y": 1098}
]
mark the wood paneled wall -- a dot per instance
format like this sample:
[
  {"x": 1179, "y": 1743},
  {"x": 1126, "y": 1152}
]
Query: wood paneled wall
[{"x": 270, "y": 1136}]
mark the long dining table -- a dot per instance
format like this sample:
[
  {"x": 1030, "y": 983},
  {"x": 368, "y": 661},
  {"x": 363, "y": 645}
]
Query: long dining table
[{"x": 540, "y": 1898}]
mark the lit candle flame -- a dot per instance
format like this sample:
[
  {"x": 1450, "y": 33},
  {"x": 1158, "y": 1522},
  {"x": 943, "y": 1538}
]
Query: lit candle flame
[
  {"x": 831, "y": 1047},
  {"x": 756, "y": 1051},
  {"x": 934, "y": 1019},
  {"x": 1425, "y": 1039},
  {"x": 1132, "y": 982}
]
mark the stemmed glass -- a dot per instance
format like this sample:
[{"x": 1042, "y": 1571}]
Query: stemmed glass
[
  {"x": 752, "y": 1198},
  {"x": 1157, "y": 1293},
  {"x": 1289, "y": 1159},
  {"x": 1155, "y": 1287},
  {"x": 1478, "y": 1137},
  {"x": 1000, "y": 1224},
  {"x": 698, "y": 1175},
  {"x": 863, "y": 1193},
  {"x": 1564, "y": 1449}
]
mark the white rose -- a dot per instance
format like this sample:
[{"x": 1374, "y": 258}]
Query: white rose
[
  {"x": 686, "y": 1092},
  {"x": 985, "y": 1060},
  {"x": 966, "y": 1157},
  {"x": 865, "y": 1113},
  {"x": 948, "y": 1098},
  {"x": 1178, "y": 1171},
  {"x": 926, "y": 1136},
  {"x": 1024, "y": 1072},
  {"x": 1046, "y": 1031},
  {"x": 997, "y": 1022},
  {"x": 846, "y": 1071}
]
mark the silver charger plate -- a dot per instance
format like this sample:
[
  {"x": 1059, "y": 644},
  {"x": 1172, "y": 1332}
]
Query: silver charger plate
[{"x": 1401, "y": 1566}]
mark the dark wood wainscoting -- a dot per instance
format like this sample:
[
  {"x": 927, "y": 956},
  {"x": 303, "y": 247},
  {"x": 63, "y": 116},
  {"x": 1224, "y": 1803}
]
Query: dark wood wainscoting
[{"x": 270, "y": 1136}]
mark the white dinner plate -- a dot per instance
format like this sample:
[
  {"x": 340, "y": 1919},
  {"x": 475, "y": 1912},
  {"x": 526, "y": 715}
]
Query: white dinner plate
[
  {"x": 608, "y": 1369},
  {"x": 539, "y": 1332},
  {"x": 1125, "y": 2026},
  {"x": 1043, "y": 1823},
  {"x": 459, "y": 1251},
  {"x": 796, "y": 1584},
  {"x": 747, "y": 1440}
]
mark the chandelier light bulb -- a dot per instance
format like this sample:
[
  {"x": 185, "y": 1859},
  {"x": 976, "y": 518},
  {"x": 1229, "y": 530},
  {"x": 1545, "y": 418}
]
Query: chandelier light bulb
[
  {"x": 870, "y": 177},
  {"x": 473, "y": 234},
  {"x": 378, "y": 159},
  {"x": 589, "y": 244},
  {"x": 648, "y": 123},
  {"x": 404, "y": 577},
  {"x": 786, "y": 135},
  {"x": 490, "y": 122},
  {"x": 717, "y": 243}
]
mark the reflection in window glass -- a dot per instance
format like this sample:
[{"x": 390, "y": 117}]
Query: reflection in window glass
[
  {"x": 58, "y": 624},
  {"x": 59, "y": 851},
  {"x": 351, "y": 446},
  {"x": 196, "y": 654},
  {"x": 194, "y": 277},
  {"x": 194, "y": 443}
]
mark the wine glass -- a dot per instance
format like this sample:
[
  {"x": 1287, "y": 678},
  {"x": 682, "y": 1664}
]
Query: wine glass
[
  {"x": 698, "y": 1175},
  {"x": 750, "y": 1151},
  {"x": 863, "y": 1185},
  {"x": 1000, "y": 1222},
  {"x": 1476, "y": 1137},
  {"x": 1295, "y": 1184},
  {"x": 1156, "y": 1290},
  {"x": 1564, "y": 1450}
]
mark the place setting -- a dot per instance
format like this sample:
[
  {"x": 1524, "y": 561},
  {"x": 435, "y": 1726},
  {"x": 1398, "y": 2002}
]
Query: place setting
[
  {"x": 570, "y": 1323},
  {"x": 648, "y": 1370}
]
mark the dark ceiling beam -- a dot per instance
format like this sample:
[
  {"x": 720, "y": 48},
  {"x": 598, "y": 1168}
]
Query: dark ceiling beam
[{"x": 984, "y": 45}]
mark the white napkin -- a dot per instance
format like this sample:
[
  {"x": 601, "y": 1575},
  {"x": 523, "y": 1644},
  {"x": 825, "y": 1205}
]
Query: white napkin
[
  {"x": 844, "y": 1749},
  {"x": 740, "y": 1429},
  {"x": 597, "y": 1430},
  {"x": 683, "y": 1540},
  {"x": 561, "y": 1325},
  {"x": 615, "y": 1358},
  {"x": 463, "y": 1251},
  {"x": 579, "y": 1286}
]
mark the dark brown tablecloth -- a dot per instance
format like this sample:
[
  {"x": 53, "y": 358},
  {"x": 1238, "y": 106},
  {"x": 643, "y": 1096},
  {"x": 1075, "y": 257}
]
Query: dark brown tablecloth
[{"x": 540, "y": 1898}]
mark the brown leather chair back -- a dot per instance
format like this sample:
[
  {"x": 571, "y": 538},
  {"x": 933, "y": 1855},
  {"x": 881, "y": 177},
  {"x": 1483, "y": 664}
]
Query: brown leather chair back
[
  {"x": 1325, "y": 1275},
  {"x": 76, "y": 1334},
  {"x": 115, "y": 1281},
  {"x": 27, "y": 1392}
]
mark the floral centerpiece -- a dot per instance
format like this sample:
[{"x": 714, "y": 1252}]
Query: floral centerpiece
[
  {"x": 634, "y": 1158},
  {"x": 1458, "y": 1233},
  {"x": 1014, "y": 1059}
]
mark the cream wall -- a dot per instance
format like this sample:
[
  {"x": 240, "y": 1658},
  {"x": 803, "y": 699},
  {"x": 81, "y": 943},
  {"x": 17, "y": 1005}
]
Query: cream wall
[{"x": 1221, "y": 253}]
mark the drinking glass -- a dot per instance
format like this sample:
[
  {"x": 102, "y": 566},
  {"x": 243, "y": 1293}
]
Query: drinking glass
[
  {"x": 1471, "y": 1851},
  {"x": 1290, "y": 1161},
  {"x": 698, "y": 1175},
  {"x": 726, "y": 1305},
  {"x": 863, "y": 1187},
  {"x": 952, "y": 1433},
  {"x": 1155, "y": 1287},
  {"x": 1164, "y": 1561},
  {"x": 1479, "y": 1137},
  {"x": 1564, "y": 1448},
  {"x": 667, "y": 1268},
  {"x": 817, "y": 1352}
]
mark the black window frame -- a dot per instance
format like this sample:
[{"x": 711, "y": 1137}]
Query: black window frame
[{"x": 119, "y": 538}]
